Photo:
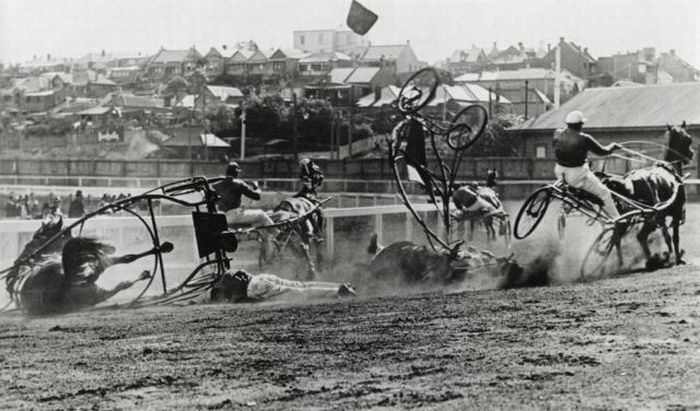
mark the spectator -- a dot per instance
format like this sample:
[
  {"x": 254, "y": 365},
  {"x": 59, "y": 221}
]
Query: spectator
[
  {"x": 11, "y": 207},
  {"x": 22, "y": 210},
  {"x": 33, "y": 206},
  {"x": 491, "y": 177},
  {"x": 77, "y": 208}
]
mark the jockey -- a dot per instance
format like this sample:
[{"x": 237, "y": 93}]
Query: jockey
[
  {"x": 310, "y": 175},
  {"x": 230, "y": 192},
  {"x": 241, "y": 287},
  {"x": 571, "y": 148},
  {"x": 311, "y": 178},
  {"x": 476, "y": 201}
]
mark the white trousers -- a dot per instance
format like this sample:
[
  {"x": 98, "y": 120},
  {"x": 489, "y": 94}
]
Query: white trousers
[{"x": 583, "y": 177}]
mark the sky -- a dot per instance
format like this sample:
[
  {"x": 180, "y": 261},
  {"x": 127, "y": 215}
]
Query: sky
[{"x": 72, "y": 28}]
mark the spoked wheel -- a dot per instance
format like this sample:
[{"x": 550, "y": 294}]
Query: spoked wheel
[
  {"x": 532, "y": 212},
  {"x": 418, "y": 90},
  {"x": 467, "y": 126},
  {"x": 604, "y": 256}
]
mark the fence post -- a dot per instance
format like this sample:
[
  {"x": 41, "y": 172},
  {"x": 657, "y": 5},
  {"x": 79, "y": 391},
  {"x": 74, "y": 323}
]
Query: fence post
[
  {"x": 409, "y": 226},
  {"x": 379, "y": 228},
  {"x": 330, "y": 238}
]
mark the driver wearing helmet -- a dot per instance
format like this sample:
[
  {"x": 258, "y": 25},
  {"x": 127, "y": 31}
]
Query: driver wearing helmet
[
  {"x": 241, "y": 287},
  {"x": 231, "y": 190},
  {"x": 571, "y": 148}
]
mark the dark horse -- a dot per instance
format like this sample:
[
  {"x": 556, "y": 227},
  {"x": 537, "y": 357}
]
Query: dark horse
[
  {"x": 306, "y": 211},
  {"x": 661, "y": 186}
]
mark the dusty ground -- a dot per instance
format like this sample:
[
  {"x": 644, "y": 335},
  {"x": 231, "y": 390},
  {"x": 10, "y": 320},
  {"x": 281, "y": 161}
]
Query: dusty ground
[{"x": 626, "y": 342}]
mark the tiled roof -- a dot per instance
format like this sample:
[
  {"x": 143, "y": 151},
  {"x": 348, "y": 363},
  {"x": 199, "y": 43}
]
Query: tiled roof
[
  {"x": 622, "y": 107},
  {"x": 176, "y": 56}
]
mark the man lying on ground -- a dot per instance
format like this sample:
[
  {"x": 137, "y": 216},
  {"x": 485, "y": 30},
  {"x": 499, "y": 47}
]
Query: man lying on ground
[{"x": 241, "y": 287}]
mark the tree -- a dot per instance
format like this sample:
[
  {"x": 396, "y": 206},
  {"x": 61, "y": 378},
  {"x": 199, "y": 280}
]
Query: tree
[
  {"x": 497, "y": 141},
  {"x": 177, "y": 86}
]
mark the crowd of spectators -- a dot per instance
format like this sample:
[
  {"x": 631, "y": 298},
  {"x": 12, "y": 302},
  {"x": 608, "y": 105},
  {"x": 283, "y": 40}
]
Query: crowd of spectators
[{"x": 30, "y": 206}]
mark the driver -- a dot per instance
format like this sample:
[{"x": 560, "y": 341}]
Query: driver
[
  {"x": 230, "y": 191},
  {"x": 311, "y": 178},
  {"x": 571, "y": 148},
  {"x": 241, "y": 287}
]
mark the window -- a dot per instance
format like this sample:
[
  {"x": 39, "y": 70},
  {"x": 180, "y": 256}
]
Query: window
[
  {"x": 302, "y": 40},
  {"x": 320, "y": 38},
  {"x": 541, "y": 152}
]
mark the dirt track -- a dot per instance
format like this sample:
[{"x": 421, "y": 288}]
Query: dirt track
[{"x": 628, "y": 342}]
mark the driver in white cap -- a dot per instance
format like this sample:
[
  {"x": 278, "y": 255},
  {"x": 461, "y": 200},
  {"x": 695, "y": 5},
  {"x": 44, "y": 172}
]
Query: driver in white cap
[{"x": 571, "y": 148}]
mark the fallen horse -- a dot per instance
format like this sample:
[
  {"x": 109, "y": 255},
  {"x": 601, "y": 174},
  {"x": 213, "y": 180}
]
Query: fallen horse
[{"x": 414, "y": 264}]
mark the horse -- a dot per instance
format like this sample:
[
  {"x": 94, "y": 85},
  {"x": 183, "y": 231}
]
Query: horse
[
  {"x": 59, "y": 285},
  {"x": 307, "y": 215},
  {"x": 478, "y": 204},
  {"x": 659, "y": 184},
  {"x": 414, "y": 264}
]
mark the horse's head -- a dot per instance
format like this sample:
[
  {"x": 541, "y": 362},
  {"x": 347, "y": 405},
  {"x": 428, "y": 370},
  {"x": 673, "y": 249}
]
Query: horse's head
[{"x": 679, "y": 144}]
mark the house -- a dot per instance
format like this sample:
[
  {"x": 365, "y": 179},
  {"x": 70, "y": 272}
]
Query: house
[
  {"x": 285, "y": 62},
  {"x": 259, "y": 65},
  {"x": 190, "y": 142},
  {"x": 169, "y": 63},
  {"x": 43, "y": 101},
  {"x": 574, "y": 58},
  {"x": 618, "y": 114},
  {"x": 58, "y": 80},
  {"x": 399, "y": 58},
  {"x": 124, "y": 75},
  {"x": 328, "y": 40},
  {"x": 129, "y": 103},
  {"x": 639, "y": 66},
  {"x": 319, "y": 65},
  {"x": 237, "y": 63},
  {"x": 540, "y": 87},
  {"x": 214, "y": 96},
  {"x": 677, "y": 68},
  {"x": 215, "y": 63},
  {"x": 364, "y": 80},
  {"x": 512, "y": 58},
  {"x": 100, "y": 87},
  {"x": 42, "y": 65},
  {"x": 466, "y": 61}
]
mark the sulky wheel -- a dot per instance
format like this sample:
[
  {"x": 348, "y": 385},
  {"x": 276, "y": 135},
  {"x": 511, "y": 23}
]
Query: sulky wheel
[
  {"x": 604, "y": 256},
  {"x": 418, "y": 90},
  {"x": 467, "y": 126},
  {"x": 532, "y": 212}
]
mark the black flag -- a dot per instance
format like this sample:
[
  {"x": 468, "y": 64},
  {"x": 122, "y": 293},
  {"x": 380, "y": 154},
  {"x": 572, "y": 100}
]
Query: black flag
[{"x": 360, "y": 18}]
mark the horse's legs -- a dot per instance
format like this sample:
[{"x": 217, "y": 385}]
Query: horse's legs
[
  {"x": 677, "y": 240},
  {"x": 667, "y": 238},
  {"x": 305, "y": 250},
  {"x": 643, "y": 237},
  {"x": 470, "y": 232}
]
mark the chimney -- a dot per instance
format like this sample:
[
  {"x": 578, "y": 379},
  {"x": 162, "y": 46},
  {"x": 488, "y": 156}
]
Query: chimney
[
  {"x": 408, "y": 42},
  {"x": 673, "y": 52},
  {"x": 520, "y": 46},
  {"x": 48, "y": 57},
  {"x": 103, "y": 53},
  {"x": 561, "y": 40},
  {"x": 549, "y": 47}
]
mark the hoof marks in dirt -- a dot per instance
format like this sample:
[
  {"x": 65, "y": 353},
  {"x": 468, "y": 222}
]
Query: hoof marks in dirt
[{"x": 561, "y": 358}]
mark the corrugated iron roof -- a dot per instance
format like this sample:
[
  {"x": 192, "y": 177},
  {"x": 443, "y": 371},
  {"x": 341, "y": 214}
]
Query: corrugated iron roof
[
  {"x": 210, "y": 140},
  {"x": 339, "y": 75},
  {"x": 624, "y": 107},
  {"x": 224, "y": 92},
  {"x": 324, "y": 56},
  {"x": 362, "y": 75},
  {"x": 386, "y": 52}
]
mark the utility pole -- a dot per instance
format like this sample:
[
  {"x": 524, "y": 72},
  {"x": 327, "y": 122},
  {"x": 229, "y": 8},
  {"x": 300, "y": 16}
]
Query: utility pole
[
  {"x": 557, "y": 72},
  {"x": 350, "y": 127},
  {"x": 243, "y": 121},
  {"x": 527, "y": 85},
  {"x": 295, "y": 126}
]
